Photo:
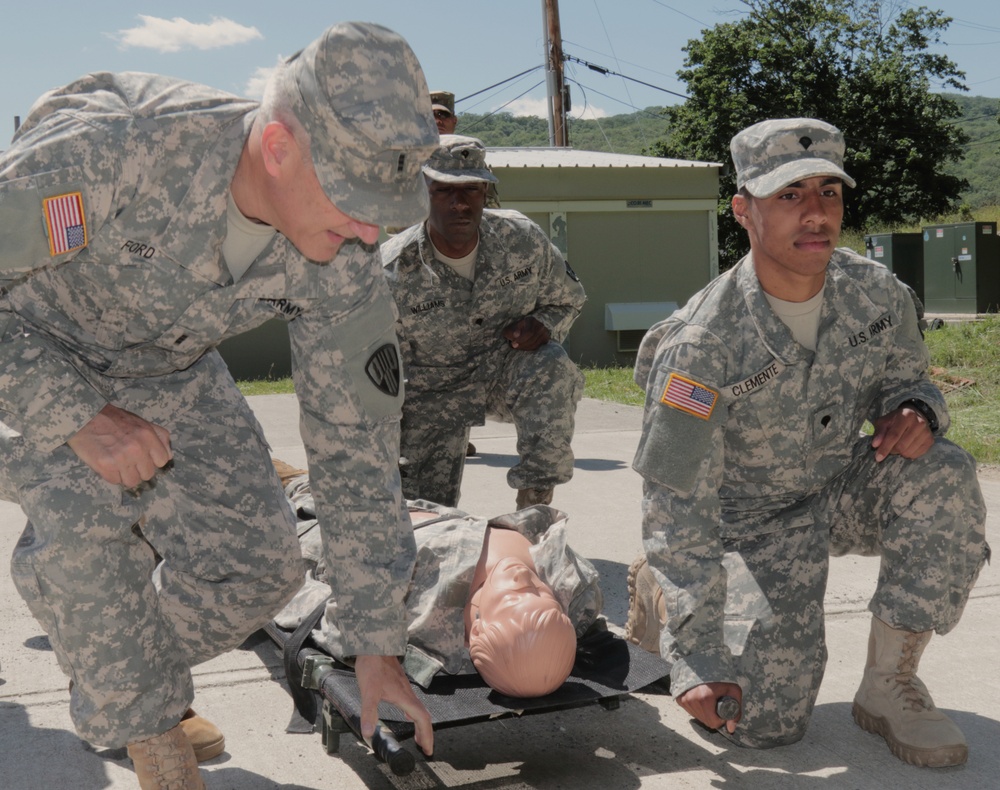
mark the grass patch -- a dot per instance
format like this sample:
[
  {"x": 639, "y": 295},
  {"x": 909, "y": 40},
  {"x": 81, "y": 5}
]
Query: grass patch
[
  {"x": 266, "y": 387},
  {"x": 965, "y": 363},
  {"x": 613, "y": 384}
]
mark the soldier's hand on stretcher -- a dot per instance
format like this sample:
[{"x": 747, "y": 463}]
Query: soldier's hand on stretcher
[{"x": 382, "y": 678}]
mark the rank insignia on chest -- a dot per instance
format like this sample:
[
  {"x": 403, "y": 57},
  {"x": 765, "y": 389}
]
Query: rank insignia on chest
[
  {"x": 689, "y": 396},
  {"x": 65, "y": 223}
]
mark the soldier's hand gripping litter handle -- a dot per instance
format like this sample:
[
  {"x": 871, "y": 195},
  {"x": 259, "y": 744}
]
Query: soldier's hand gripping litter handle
[
  {"x": 727, "y": 708},
  {"x": 387, "y": 749}
]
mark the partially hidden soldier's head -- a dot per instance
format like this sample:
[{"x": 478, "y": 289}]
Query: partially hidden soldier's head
[
  {"x": 357, "y": 98},
  {"x": 443, "y": 105},
  {"x": 458, "y": 181},
  {"x": 770, "y": 155},
  {"x": 459, "y": 160}
]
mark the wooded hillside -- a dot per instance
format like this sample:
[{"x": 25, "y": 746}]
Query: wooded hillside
[{"x": 635, "y": 133}]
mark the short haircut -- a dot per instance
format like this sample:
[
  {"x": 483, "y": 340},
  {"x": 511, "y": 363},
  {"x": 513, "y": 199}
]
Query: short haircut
[{"x": 280, "y": 97}]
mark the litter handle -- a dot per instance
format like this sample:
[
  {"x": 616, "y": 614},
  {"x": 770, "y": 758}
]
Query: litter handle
[
  {"x": 727, "y": 708},
  {"x": 387, "y": 748}
]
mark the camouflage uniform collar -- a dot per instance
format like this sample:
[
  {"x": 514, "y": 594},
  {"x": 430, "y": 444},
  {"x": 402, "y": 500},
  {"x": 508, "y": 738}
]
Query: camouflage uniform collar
[
  {"x": 848, "y": 298},
  {"x": 195, "y": 233},
  {"x": 773, "y": 332}
]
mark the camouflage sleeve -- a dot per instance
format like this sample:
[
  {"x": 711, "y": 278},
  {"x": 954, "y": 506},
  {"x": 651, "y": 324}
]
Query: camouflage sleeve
[
  {"x": 61, "y": 176},
  {"x": 561, "y": 295},
  {"x": 906, "y": 373},
  {"x": 681, "y": 458},
  {"x": 347, "y": 379},
  {"x": 59, "y": 182}
]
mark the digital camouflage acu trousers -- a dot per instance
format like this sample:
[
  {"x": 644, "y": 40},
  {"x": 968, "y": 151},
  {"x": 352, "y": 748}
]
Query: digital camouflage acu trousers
[
  {"x": 924, "y": 517},
  {"x": 125, "y": 629},
  {"x": 535, "y": 390}
]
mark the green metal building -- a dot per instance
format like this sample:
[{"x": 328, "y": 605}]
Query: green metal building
[{"x": 641, "y": 233}]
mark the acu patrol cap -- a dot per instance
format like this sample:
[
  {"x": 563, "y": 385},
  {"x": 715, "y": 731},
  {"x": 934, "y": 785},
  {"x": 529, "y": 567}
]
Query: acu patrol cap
[
  {"x": 770, "y": 155},
  {"x": 459, "y": 160},
  {"x": 443, "y": 100},
  {"x": 363, "y": 100}
]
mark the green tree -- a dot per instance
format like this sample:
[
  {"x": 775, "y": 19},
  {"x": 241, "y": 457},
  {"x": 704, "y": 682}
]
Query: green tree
[{"x": 862, "y": 65}]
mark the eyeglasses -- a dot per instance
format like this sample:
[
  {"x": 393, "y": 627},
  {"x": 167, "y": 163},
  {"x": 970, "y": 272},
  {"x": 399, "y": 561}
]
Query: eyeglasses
[{"x": 442, "y": 114}]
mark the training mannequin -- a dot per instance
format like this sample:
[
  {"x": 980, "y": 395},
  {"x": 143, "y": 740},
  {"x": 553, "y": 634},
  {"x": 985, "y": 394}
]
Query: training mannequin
[
  {"x": 520, "y": 639},
  {"x": 504, "y": 597}
]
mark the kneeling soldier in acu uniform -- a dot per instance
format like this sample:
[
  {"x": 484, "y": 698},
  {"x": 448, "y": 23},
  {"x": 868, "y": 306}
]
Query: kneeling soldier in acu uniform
[
  {"x": 485, "y": 299},
  {"x": 756, "y": 470},
  {"x": 143, "y": 220}
]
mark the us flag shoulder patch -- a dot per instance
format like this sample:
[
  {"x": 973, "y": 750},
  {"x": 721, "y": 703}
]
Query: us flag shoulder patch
[
  {"x": 65, "y": 222},
  {"x": 689, "y": 396}
]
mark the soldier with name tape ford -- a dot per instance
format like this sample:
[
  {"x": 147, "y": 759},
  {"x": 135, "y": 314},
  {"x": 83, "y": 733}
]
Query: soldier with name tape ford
[
  {"x": 484, "y": 299},
  {"x": 143, "y": 220},
  {"x": 756, "y": 469}
]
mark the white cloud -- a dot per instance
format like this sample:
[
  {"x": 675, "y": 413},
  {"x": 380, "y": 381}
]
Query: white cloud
[
  {"x": 527, "y": 106},
  {"x": 173, "y": 35},
  {"x": 540, "y": 109},
  {"x": 589, "y": 113},
  {"x": 255, "y": 85}
]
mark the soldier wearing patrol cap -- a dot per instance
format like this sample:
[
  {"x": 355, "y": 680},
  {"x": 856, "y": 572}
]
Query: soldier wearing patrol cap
[
  {"x": 143, "y": 220},
  {"x": 484, "y": 301},
  {"x": 443, "y": 105},
  {"x": 754, "y": 474}
]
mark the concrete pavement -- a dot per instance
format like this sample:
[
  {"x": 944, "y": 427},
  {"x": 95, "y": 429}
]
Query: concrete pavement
[{"x": 649, "y": 742}]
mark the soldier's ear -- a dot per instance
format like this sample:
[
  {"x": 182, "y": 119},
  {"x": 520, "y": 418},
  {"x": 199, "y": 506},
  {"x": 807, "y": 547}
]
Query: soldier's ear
[
  {"x": 276, "y": 143},
  {"x": 740, "y": 207}
]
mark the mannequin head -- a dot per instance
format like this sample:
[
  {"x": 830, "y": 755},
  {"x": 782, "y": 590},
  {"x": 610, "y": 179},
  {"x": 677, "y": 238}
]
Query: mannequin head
[{"x": 520, "y": 640}]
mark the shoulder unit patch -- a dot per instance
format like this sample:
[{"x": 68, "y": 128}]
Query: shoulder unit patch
[{"x": 383, "y": 369}]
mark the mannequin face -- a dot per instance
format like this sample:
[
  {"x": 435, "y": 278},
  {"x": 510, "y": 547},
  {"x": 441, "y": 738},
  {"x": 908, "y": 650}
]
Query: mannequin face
[
  {"x": 520, "y": 640},
  {"x": 512, "y": 590}
]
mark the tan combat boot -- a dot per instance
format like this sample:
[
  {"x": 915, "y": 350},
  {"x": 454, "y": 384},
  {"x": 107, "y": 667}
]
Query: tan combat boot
[
  {"x": 527, "y": 497},
  {"x": 166, "y": 762},
  {"x": 647, "y": 608},
  {"x": 894, "y": 703},
  {"x": 206, "y": 739}
]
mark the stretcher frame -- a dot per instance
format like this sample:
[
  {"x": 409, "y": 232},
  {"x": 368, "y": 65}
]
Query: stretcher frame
[{"x": 325, "y": 691}]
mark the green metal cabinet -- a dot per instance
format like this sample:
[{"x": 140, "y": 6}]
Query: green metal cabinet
[
  {"x": 902, "y": 253},
  {"x": 962, "y": 268}
]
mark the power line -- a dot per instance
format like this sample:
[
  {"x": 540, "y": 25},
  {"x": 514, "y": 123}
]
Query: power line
[
  {"x": 614, "y": 54},
  {"x": 618, "y": 60},
  {"x": 632, "y": 107},
  {"x": 503, "y": 82},
  {"x": 608, "y": 72},
  {"x": 505, "y": 105},
  {"x": 600, "y": 127},
  {"x": 678, "y": 11}
]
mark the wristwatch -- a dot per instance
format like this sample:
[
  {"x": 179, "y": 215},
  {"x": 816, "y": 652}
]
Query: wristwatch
[{"x": 928, "y": 413}]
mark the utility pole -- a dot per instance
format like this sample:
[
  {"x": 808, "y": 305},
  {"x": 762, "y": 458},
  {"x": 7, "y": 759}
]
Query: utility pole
[{"x": 554, "y": 79}]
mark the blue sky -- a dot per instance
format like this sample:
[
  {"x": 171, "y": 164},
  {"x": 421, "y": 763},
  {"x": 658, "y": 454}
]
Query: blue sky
[{"x": 466, "y": 46}]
